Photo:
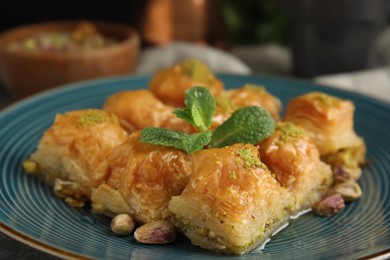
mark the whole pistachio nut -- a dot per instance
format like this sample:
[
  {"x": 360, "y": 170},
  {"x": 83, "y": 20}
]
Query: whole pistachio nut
[
  {"x": 122, "y": 224},
  {"x": 329, "y": 205},
  {"x": 156, "y": 232},
  {"x": 349, "y": 190},
  {"x": 343, "y": 173},
  {"x": 30, "y": 166}
]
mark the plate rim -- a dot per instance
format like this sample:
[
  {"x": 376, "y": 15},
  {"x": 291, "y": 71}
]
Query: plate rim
[{"x": 34, "y": 243}]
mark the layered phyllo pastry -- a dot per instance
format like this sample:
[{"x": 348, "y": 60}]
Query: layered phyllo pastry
[
  {"x": 170, "y": 84},
  {"x": 143, "y": 179},
  {"x": 292, "y": 155},
  {"x": 232, "y": 202},
  {"x": 252, "y": 95},
  {"x": 72, "y": 156},
  {"x": 137, "y": 109},
  {"x": 330, "y": 122}
]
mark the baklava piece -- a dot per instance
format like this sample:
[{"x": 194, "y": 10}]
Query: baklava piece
[
  {"x": 138, "y": 109},
  {"x": 293, "y": 157},
  {"x": 254, "y": 95},
  {"x": 232, "y": 202},
  {"x": 329, "y": 120},
  {"x": 170, "y": 84},
  {"x": 143, "y": 179},
  {"x": 72, "y": 155}
]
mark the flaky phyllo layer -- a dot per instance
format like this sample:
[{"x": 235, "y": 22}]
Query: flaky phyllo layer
[
  {"x": 143, "y": 179},
  {"x": 231, "y": 200},
  {"x": 72, "y": 154},
  {"x": 330, "y": 122}
]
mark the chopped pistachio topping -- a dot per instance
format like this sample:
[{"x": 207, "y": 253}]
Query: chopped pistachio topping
[
  {"x": 324, "y": 98},
  {"x": 225, "y": 105},
  {"x": 250, "y": 160},
  {"x": 233, "y": 175},
  {"x": 231, "y": 189},
  {"x": 90, "y": 119},
  {"x": 254, "y": 88},
  {"x": 196, "y": 70},
  {"x": 288, "y": 130},
  {"x": 113, "y": 118}
]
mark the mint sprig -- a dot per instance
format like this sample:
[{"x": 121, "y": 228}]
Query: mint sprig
[
  {"x": 246, "y": 125},
  {"x": 199, "y": 110},
  {"x": 180, "y": 140}
]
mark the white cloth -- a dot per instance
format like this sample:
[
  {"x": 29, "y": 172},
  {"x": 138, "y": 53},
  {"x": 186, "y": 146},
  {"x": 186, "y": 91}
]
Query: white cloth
[
  {"x": 153, "y": 59},
  {"x": 373, "y": 82}
]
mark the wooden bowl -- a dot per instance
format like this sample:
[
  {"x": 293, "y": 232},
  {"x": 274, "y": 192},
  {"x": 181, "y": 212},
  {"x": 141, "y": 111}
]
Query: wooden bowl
[{"x": 25, "y": 73}]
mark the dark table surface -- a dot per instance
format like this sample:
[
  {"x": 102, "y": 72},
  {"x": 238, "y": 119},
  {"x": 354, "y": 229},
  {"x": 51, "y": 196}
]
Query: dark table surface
[
  {"x": 13, "y": 249},
  {"x": 6, "y": 98}
]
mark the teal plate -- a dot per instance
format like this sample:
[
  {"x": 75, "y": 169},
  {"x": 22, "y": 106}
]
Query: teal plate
[{"x": 31, "y": 213}]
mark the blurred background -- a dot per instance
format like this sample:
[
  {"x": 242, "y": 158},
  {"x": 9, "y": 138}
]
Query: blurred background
[{"x": 306, "y": 39}]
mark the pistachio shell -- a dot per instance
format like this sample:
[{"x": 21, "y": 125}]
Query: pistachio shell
[
  {"x": 122, "y": 224},
  {"x": 349, "y": 190},
  {"x": 156, "y": 232}
]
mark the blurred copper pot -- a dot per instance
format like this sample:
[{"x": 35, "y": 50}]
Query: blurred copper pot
[{"x": 197, "y": 21}]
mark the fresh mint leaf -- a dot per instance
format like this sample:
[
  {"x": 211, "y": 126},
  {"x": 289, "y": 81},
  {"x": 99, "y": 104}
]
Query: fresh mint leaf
[
  {"x": 179, "y": 140},
  {"x": 199, "y": 110},
  {"x": 197, "y": 141},
  {"x": 246, "y": 125},
  {"x": 185, "y": 114}
]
